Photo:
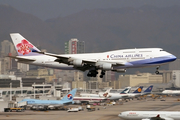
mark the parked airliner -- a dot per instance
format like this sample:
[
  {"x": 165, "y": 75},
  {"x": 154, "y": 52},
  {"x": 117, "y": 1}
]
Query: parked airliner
[
  {"x": 108, "y": 95},
  {"x": 139, "y": 92},
  {"x": 91, "y": 98},
  {"x": 117, "y": 60},
  {"x": 171, "y": 92},
  {"x": 68, "y": 99},
  {"x": 150, "y": 115}
]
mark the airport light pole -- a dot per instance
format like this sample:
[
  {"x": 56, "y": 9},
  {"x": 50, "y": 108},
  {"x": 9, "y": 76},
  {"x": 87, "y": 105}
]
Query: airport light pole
[
  {"x": 89, "y": 85},
  {"x": 84, "y": 86},
  {"x": 96, "y": 84},
  {"x": 43, "y": 88},
  {"x": 54, "y": 89},
  {"x": 21, "y": 87},
  {"x": 67, "y": 87},
  {"x": 10, "y": 91},
  {"x": 34, "y": 90}
]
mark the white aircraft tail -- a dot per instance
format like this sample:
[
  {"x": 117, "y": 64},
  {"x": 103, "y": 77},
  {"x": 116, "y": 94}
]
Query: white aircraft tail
[
  {"x": 106, "y": 93},
  {"x": 126, "y": 90},
  {"x": 23, "y": 46}
]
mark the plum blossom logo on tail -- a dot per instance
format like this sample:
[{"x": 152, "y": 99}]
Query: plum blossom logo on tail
[{"x": 24, "y": 47}]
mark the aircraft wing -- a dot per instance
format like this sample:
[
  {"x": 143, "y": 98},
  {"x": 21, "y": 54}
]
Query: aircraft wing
[
  {"x": 55, "y": 55},
  {"x": 158, "y": 118},
  {"x": 88, "y": 63},
  {"x": 63, "y": 59},
  {"x": 21, "y": 58}
]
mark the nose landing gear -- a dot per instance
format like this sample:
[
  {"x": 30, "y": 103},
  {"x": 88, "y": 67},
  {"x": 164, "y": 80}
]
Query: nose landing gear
[{"x": 157, "y": 70}]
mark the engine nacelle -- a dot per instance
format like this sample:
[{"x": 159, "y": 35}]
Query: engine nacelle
[
  {"x": 120, "y": 70},
  {"x": 77, "y": 63},
  {"x": 107, "y": 66}
]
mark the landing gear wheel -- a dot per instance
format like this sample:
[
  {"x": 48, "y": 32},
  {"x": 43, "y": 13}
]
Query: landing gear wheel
[
  {"x": 92, "y": 73},
  {"x": 157, "y": 72},
  {"x": 102, "y": 72}
]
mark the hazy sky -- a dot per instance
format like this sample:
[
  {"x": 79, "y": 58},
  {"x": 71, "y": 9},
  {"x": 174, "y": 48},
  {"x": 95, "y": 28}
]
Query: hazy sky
[{"x": 46, "y": 9}]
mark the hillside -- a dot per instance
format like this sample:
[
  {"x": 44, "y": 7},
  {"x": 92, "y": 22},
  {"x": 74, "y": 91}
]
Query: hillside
[
  {"x": 31, "y": 27},
  {"x": 101, "y": 29},
  {"x": 107, "y": 29}
]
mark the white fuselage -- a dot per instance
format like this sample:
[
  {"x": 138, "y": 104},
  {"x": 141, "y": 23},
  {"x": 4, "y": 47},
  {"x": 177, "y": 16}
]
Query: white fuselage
[
  {"x": 139, "y": 115},
  {"x": 88, "y": 99},
  {"x": 171, "y": 92},
  {"x": 110, "y": 96},
  {"x": 127, "y": 58}
]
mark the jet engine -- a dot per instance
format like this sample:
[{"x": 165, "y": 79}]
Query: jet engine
[
  {"x": 107, "y": 66},
  {"x": 77, "y": 62},
  {"x": 120, "y": 70},
  {"x": 158, "y": 118}
]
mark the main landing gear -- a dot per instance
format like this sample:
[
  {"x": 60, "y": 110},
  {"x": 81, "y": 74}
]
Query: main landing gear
[
  {"x": 102, "y": 73},
  {"x": 157, "y": 70},
  {"x": 93, "y": 73}
]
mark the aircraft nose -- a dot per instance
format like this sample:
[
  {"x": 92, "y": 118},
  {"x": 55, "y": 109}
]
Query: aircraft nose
[
  {"x": 173, "y": 57},
  {"x": 120, "y": 115}
]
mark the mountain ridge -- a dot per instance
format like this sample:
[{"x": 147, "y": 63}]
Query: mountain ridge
[{"x": 101, "y": 29}]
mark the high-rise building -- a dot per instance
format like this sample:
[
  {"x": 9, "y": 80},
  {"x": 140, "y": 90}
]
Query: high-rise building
[
  {"x": 175, "y": 65},
  {"x": 136, "y": 79},
  {"x": 6, "y": 48},
  {"x": 80, "y": 47},
  {"x": 109, "y": 76},
  {"x": 5, "y": 65},
  {"x": 74, "y": 46},
  {"x": 23, "y": 67}
]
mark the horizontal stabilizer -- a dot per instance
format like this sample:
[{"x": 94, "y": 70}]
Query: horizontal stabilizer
[
  {"x": 21, "y": 58},
  {"x": 54, "y": 55}
]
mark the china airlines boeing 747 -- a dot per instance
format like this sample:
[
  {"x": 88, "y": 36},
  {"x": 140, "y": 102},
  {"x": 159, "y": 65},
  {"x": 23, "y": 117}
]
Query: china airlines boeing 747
[{"x": 117, "y": 60}]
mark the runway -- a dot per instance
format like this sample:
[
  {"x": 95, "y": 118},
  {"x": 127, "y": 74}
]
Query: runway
[{"x": 110, "y": 113}]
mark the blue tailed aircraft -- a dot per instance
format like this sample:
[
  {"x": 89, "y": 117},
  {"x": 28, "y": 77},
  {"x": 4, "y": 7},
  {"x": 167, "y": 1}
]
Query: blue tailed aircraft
[
  {"x": 49, "y": 104},
  {"x": 137, "y": 93},
  {"x": 148, "y": 90}
]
